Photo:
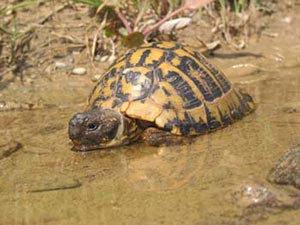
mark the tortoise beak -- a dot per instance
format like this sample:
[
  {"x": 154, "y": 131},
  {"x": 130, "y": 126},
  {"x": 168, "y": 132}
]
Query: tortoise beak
[
  {"x": 78, "y": 147},
  {"x": 75, "y": 125}
]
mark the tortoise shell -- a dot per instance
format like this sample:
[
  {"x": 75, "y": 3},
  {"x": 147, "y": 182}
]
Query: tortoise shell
[{"x": 173, "y": 87}]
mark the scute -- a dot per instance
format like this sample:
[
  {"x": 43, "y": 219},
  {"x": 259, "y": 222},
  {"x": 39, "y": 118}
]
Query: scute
[{"x": 172, "y": 86}]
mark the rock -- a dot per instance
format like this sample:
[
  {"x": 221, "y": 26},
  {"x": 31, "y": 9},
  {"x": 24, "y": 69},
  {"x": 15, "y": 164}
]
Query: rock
[
  {"x": 287, "y": 169},
  {"x": 79, "y": 71}
]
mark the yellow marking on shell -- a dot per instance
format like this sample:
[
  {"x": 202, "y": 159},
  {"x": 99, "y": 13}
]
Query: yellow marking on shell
[
  {"x": 224, "y": 107},
  {"x": 155, "y": 55},
  {"x": 164, "y": 117},
  {"x": 251, "y": 105},
  {"x": 106, "y": 104},
  {"x": 86, "y": 105},
  {"x": 161, "y": 98},
  {"x": 147, "y": 45},
  {"x": 232, "y": 99},
  {"x": 166, "y": 67},
  {"x": 94, "y": 96},
  {"x": 198, "y": 113},
  {"x": 228, "y": 102},
  {"x": 105, "y": 91},
  {"x": 147, "y": 110},
  {"x": 176, "y": 61},
  {"x": 165, "y": 45},
  {"x": 124, "y": 106},
  {"x": 213, "y": 109},
  {"x": 136, "y": 56}
]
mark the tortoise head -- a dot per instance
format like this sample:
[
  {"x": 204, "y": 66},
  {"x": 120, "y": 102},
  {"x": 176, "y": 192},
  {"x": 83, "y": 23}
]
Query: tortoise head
[{"x": 96, "y": 129}]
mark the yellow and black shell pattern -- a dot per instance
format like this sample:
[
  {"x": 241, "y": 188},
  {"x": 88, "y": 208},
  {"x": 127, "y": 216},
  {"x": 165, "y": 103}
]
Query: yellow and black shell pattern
[{"x": 172, "y": 86}]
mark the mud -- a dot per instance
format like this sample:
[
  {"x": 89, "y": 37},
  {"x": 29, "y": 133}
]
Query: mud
[{"x": 44, "y": 182}]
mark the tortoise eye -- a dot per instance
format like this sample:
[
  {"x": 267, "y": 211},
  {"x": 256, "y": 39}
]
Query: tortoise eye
[{"x": 92, "y": 126}]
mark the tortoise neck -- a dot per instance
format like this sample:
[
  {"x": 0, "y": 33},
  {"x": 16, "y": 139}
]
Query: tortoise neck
[
  {"x": 128, "y": 131},
  {"x": 131, "y": 130}
]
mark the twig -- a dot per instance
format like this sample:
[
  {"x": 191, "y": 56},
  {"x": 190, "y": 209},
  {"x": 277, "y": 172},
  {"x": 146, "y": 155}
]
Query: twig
[{"x": 124, "y": 21}]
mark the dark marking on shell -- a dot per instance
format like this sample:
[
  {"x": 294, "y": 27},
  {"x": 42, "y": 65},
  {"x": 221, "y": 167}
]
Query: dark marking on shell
[
  {"x": 127, "y": 60},
  {"x": 224, "y": 83},
  {"x": 117, "y": 102},
  {"x": 168, "y": 105},
  {"x": 209, "y": 94},
  {"x": 244, "y": 99},
  {"x": 183, "y": 89},
  {"x": 213, "y": 123},
  {"x": 166, "y": 91},
  {"x": 200, "y": 127},
  {"x": 236, "y": 113},
  {"x": 158, "y": 74},
  {"x": 155, "y": 87},
  {"x": 112, "y": 85},
  {"x": 170, "y": 55},
  {"x": 187, "y": 124},
  {"x": 119, "y": 93},
  {"x": 132, "y": 77},
  {"x": 225, "y": 119},
  {"x": 143, "y": 58}
]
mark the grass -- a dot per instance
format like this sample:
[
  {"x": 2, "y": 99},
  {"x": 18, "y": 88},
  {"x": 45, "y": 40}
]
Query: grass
[{"x": 131, "y": 16}]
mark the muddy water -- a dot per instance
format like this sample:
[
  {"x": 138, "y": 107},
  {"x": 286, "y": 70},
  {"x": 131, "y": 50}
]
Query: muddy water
[{"x": 46, "y": 183}]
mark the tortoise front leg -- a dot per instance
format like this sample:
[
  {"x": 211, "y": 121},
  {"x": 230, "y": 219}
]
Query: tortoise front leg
[{"x": 156, "y": 137}]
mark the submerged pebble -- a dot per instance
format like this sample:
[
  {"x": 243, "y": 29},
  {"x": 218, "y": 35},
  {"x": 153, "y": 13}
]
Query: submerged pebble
[
  {"x": 79, "y": 71},
  {"x": 9, "y": 148},
  {"x": 96, "y": 77},
  {"x": 258, "y": 199},
  {"x": 287, "y": 169},
  {"x": 259, "y": 193},
  {"x": 291, "y": 108}
]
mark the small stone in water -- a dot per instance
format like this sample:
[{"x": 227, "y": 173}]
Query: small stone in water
[
  {"x": 60, "y": 65},
  {"x": 9, "y": 148},
  {"x": 79, "y": 71},
  {"x": 96, "y": 77},
  {"x": 287, "y": 169}
]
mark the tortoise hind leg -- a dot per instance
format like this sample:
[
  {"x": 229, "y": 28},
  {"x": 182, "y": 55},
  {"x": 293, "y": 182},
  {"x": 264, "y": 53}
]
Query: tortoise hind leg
[{"x": 156, "y": 137}]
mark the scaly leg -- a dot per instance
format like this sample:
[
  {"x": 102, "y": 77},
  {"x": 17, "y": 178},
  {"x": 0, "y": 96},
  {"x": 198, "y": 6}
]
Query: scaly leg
[{"x": 156, "y": 137}]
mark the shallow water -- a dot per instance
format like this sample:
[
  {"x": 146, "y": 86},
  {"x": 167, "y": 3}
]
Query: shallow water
[{"x": 47, "y": 183}]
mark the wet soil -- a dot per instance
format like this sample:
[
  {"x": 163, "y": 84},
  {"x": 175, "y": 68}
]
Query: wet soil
[{"x": 219, "y": 179}]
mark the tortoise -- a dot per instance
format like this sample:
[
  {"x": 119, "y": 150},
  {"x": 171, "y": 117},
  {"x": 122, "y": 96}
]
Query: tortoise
[{"x": 162, "y": 93}]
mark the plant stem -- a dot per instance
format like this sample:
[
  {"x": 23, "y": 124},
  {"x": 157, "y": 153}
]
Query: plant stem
[
  {"x": 124, "y": 21},
  {"x": 168, "y": 16}
]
